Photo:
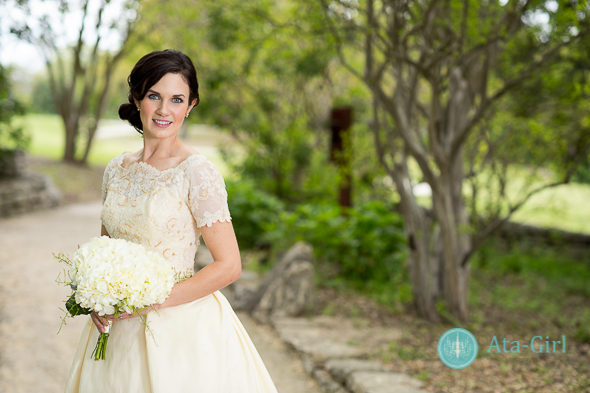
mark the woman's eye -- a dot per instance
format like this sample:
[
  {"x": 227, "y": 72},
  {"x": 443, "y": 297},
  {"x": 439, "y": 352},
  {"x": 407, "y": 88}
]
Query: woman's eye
[
  {"x": 153, "y": 97},
  {"x": 179, "y": 100}
]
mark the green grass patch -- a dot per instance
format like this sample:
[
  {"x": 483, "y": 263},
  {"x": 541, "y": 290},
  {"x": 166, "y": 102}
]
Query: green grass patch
[
  {"x": 47, "y": 134},
  {"x": 532, "y": 288},
  {"x": 48, "y": 140},
  {"x": 564, "y": 207}
]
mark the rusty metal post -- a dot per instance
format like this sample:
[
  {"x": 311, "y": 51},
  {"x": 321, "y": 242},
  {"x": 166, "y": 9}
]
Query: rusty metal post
[{"x": 341, "y": 150}]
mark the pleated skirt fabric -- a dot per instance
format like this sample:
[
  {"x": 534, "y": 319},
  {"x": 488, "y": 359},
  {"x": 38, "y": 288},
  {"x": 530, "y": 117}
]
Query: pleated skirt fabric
[{"x": 199, "y": 347}]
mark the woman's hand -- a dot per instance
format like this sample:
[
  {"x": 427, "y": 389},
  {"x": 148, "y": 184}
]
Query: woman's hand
[{"x": 101, "y": 322}]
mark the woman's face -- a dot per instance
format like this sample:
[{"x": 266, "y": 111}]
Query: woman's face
[{"x": 164, "y": 106}]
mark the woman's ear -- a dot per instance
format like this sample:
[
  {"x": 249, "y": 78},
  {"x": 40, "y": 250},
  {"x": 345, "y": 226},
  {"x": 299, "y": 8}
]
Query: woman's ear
[
  {"x": 136, "y": 103},
  {"x": 193, "y": 104}
]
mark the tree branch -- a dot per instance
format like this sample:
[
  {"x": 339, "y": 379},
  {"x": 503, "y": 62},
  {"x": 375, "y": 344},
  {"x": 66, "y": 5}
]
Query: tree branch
[
  {"x": 489, "y": 229},
  {"x": 487, "y": 101}
]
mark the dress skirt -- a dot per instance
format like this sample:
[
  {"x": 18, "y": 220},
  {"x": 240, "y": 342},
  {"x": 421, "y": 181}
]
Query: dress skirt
[{"x": 199, "y": 347}]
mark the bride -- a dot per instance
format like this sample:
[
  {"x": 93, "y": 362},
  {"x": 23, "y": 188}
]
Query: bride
[{"x": 165, "y": 196}]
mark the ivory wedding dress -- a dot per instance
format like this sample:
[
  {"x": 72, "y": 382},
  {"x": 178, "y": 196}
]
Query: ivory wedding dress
[{"x": 200, "y": 346}]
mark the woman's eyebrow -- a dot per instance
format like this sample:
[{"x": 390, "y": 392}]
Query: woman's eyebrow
[{"x": 175, "y": 95}]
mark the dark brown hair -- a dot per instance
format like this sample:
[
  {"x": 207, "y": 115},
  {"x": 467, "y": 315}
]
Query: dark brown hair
[{"x": 148, "y": 71}]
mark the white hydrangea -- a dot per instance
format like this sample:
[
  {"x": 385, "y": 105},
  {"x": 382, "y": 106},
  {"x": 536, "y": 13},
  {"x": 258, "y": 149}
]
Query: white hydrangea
[{"x": 114, "y": 274}]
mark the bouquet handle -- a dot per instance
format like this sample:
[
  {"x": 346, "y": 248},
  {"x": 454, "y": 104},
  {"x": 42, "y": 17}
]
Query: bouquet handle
[{"x": 101, "y": 344}]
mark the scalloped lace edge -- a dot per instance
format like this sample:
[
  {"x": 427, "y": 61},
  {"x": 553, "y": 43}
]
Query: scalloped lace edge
[{"x": 220, "y": 216}]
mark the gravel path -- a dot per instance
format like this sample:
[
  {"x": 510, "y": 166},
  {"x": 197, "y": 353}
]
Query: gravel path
[{"x": 33, "y": 358}]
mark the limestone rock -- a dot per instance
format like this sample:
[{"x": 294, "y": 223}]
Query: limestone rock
[
  {"x": 300, "y": 251},
  {"x": 316, "y": 342},
  {"x": 341, "y": 369},
  {"x": 326, "y": 383},
  {"x": 287, "y": 295},
  {"x": 27, "y": 193},
  {"x": 382, "y": 382}
]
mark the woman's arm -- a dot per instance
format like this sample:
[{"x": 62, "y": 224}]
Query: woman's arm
[{"x": 226, "y": 267}]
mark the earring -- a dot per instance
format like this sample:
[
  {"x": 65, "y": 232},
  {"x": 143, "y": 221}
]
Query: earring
[{"x": 187, "y": 115}]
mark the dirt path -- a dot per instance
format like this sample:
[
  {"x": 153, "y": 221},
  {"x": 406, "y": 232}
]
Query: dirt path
[{"x": 33, "y": 358}]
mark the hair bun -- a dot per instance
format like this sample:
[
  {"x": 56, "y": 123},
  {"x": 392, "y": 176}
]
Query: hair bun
[{"x": 130, "y": 113}]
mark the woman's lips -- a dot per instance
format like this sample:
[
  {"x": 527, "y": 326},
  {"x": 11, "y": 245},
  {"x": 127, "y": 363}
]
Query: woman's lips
[{"x": 163, "y": 124}]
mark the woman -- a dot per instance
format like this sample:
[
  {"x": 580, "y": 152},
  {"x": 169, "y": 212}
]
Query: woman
[{"x": 165, "y": 196}]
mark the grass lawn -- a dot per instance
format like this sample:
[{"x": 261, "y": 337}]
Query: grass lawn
[
  {"x": 48, "y": 139},
  {"x": 565, "y": 207},
  {"x": 47, "y": 135}
]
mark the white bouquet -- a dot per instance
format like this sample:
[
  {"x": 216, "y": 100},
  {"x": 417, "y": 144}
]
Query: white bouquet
[{"x": 114, "y": 275}]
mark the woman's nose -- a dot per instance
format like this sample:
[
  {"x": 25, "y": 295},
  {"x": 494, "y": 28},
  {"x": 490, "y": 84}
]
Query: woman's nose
[{"x": 163, "y": 108}]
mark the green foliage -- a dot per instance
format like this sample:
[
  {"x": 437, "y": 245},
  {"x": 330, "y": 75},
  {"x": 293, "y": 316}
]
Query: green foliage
[
  {"x": 252, "y": 208},
  {"x": 562, "y": 274},
  {"x": 364, "y": 251},
  {"x": 583, "y": 327},
  {"x": 287, "y": 165},
  {"x": 366, "y": 248},
  {"x": 74, "y": 308},
  {"x": 536, "y": 281},
  {"x": 262, "y": 81},
  {"x": 11, "y": 136},
  {"x": 546, "y": 121},
  {"x": 41, "y": 98}
]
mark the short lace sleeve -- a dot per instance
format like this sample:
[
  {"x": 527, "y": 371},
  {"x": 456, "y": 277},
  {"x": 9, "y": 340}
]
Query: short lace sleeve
[
  {"x": 105, "y": 181},
  {"x": 207, "y": 194},
  {"x": 107, "y": 175}
]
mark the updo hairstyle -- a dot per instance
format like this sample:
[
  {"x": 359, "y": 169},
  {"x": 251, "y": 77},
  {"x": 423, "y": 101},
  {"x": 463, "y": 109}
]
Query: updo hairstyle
[{"x": 148, "y": 71}]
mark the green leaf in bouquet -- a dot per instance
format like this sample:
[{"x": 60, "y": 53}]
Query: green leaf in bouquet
[{"x": 74, "y": 308}]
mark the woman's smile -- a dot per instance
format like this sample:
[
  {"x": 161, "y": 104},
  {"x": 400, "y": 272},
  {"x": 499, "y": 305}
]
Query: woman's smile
[{"x": 162, "y": 123}]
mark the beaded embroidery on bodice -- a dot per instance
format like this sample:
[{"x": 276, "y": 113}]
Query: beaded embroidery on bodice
[{"x": 164, "y": 210}]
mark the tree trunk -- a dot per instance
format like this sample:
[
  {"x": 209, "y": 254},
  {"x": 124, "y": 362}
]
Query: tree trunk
[
  {"x": 71, "y": 130},
  {"x": 91, "y": 132},
  {"x": 417, "y": 227},
  {"x": 102, "y": 105},
  {"x": 449, "y": 210}
]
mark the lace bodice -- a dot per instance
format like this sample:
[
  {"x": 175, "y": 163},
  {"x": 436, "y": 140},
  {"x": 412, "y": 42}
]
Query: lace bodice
[{"x": 164, "y": 210}]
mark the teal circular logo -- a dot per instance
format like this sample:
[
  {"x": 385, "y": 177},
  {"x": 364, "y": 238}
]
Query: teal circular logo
[{"x": 457, "y": 348}]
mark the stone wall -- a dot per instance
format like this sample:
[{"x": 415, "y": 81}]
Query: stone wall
[{"x": 26, "y": 193}]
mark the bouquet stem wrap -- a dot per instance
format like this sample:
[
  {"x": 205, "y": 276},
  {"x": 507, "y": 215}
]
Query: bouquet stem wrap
[{"x": 101, "y": 344}]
